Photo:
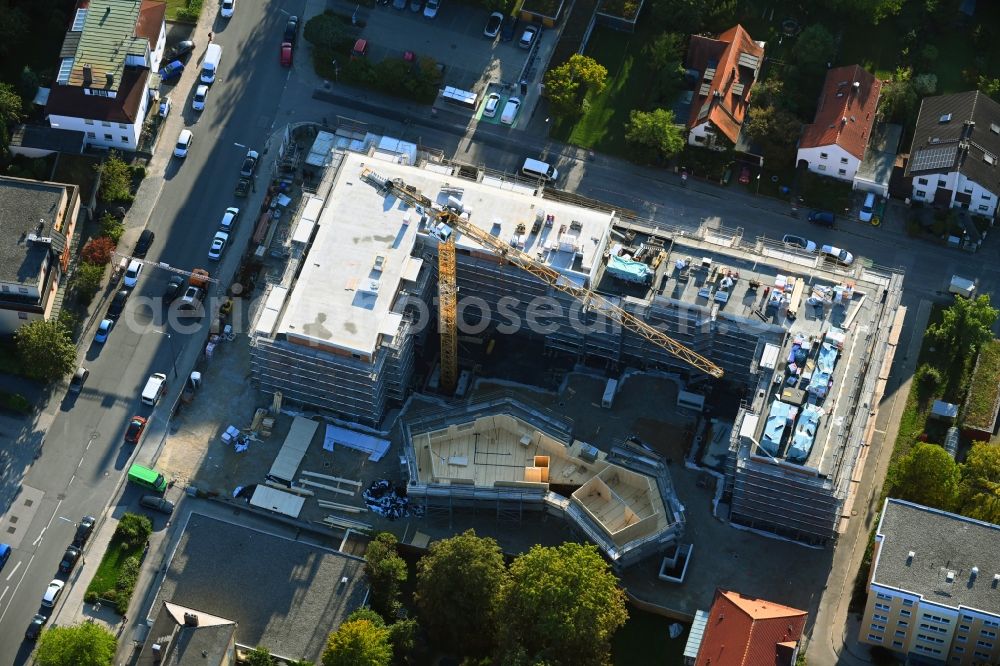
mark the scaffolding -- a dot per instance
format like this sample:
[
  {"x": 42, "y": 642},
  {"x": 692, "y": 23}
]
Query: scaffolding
[{"x": 447, "y": 314}]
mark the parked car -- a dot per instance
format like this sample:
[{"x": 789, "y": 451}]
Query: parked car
[
  {"x": 416, "y": 5},
  {"x": 34, "y": 629},
  {"x": 823, "y": 218},
  {"x": 183, "y": 143},
  {"x": 218, "y": 245},
  {"x": 117, "y": 304},
  {"x": 840, "y": 256},
  {"x": 291, "y": 33},
  {"x": 142, "y": 245},
  {"x": 200, "y": 95},
  {"x": 510, "y": 110},
  {"x": 226, "y": 8},
  {"x": 285, "y": 55},
  {"x": 171, "y": 70},
  {"x": 249, "y": 163},
  {"x": 83, "y": 531},
  {"x": 165, "y": 107},
  {"x": 69, "y": 560},
  {"x": 181, "y": 49},
  {"x": 79, "y": 378},
  {"x": 431, "y": 8},
  {"x": 4, "y": 554},
  {"x": 52, "y": 593},
  {"x": 229, "y": 219},
  {"x": 509, "y": 29},
  {"x": 136, "y": 426},
  {"x": 174, "y": 287},
  {"x": 528, "y": 37},
  {"x": 798, "y": 241},
  {"x": 491, "y": 106},
  {"x": 360, "y": 49},
  {"x": 104, "y": 330},
  {"x": 157, "y": 503},
  {"x": 867, "y": 208},
  {"x": 493, "y": 25},
  {"x": 132, "y": 273}
]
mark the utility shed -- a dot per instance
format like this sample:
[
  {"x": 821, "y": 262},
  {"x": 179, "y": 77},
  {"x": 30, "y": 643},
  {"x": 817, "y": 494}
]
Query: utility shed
[
  {"x": 322, "y": 149},
  {"x": 287, "y": 462},
  {"x": 944, "y": 411},
  {"x": 272, "y": 499}
]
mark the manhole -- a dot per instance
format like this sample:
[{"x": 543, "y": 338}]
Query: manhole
[
  {"x": 29, "y": 502},
  {"x": 11, "y": 530},
  {"x": 13, "y": 519}
]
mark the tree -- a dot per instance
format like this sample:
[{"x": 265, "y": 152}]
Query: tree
[
  {"x": 567, "y": 85},
  {"x": 655, "y": 130},
  {"x": 814, "y": 49},
  {"x": 88, "y": 279},
  {"x": 665, "y": 57},
  {"x": 561, "y": 605},
  {"x": 112, "y": 227},
  {"x": 325, "y": 31},
  {"x": 259, "y": 656},
  {"x": 964, "y": 327},
  {"x": 683, "y": 16},
  {"x": 86, "y": 644},
  {"x": 926, "y": 475},
  {"x": 98, "y": 250},
  {"x": 925, "y": 84},
  {"x": 45, "y": 349},
  {"x": 979, "y": 488},
  {"x": 386, "y": 571},
  {"x": 10, "y": 113},
  {"x": 457, "y": 585},
  {"x": 359, "y": 642},
  {"x": 775, "y": 130},
  {"x": 403, "y": 638},
  {"x": 898, "y": 100},
  {"x": 989, "y": 86},
  {"x": 116, "y": 179},
  {"x": 873, "y": 11}
]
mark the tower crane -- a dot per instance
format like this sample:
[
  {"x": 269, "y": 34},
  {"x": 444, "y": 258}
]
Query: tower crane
[{"x": 447, "y": 308}]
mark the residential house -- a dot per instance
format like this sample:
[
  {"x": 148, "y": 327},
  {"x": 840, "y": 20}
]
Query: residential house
[
  {"x": 108, "y": 65},
  {"x": 182, "y": 636},
  {"x": 38, "y": 220},
  {"x": 956, "y": 146},
  {"x": 744, "y": 631},
  {"x": 834, "y": 144},
  {"x": 932, "y": 591},
  {"x": 727, "y": 69}
]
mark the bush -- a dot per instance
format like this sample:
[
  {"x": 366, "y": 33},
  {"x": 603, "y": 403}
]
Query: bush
[
  {"x": 116, "y": 179},
  {"x": 98, "y": 250},
  {"x": 133, "y": 529},
  {"x": 191, "y": 13},
  {"x": 90, "y": 597},
  {"x": 88, "y": 280},
  {"x": 112, "y": 227},
  {"x": 14, "y": 402},
  {"x": 138, "y": 172}
]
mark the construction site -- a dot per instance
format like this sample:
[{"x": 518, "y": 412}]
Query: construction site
[{"x": 399, "y": 266}]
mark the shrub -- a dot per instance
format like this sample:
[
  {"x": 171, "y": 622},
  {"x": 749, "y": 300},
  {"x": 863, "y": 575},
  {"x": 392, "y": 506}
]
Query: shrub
[
  {"x": 98, "y": 250},
  {"x": 133, "y": 529},
  {"x": 138, "y": 172},
  {"x": 327, "y": 30},
  {"x": 88, "y": 280},
  {"x": 112, "y": 227},
  {"x": 14, "y": 402},
  {"x": 90, "y": 597},
  {"x": 116, "y": 179}
]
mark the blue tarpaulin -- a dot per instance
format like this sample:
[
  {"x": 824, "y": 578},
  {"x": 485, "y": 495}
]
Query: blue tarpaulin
[{"x": 628, "y": 270}]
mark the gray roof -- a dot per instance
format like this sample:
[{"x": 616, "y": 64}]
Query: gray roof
[
  {"x": 43, "y": 137},
  {"x": 181, "y": 644},
  {"x": 27, "y": 207},
  {"x": 961, "y": 133},
  {"x": 941, "y": 542},
  {"x": 281, "y": 593}
]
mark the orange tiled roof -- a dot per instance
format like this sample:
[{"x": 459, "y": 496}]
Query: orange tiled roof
[
  {"x": 151, "y": 15},
  {"x": 724, "y": 100},
  {"x": 846, "y": 111},
  {"x": 744, "y": 631}
]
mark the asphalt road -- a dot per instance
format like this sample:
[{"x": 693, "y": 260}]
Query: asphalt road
[{"x": 84, "y": 456}]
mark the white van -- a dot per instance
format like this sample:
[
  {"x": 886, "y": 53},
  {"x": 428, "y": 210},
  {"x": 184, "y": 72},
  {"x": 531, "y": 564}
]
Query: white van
[
  {"x": 539, "y": 170},
  {"x": 510, "y": 110},
  {"x": 210, "y": 66},
  {"x": 155, "y": 386}
]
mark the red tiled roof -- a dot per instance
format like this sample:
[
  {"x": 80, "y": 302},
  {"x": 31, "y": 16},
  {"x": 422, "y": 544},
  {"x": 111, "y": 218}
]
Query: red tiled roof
[
  {"x": 71, "y": 100},
  {"x": 727, "y": 109},
  {"x": 744, "y": 631},
  {"x": 151, "y": 15},
  {"x": 846, "y": 111}
]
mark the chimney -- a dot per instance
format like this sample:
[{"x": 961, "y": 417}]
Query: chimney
[
  {"x": 190, "y": 620},
  {"x": 974, "y": 574},
  {"x": 109, "y": 79},
  {"x": 88, "y": 75}
]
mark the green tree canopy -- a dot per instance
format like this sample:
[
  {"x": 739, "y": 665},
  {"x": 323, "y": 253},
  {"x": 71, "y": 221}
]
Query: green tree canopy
[
  {"x": 566, "y": 86},
  {"x": 386, "y": 571},
  {"x": 926, "y": 475},
  {"x": 10, "y": 112},
  {"x": 359, "y": 642},
  {"x": 898, "y": 99},
  {"x": 259, "y": 656},
  {"x": 665, "y": 57},
  {"x": 814, "y": 48},
  {"x": 656, "y": 131},
  {"x": 872, "y": 11},
  {"x": 46, "y": 350},
  {"x": 979, "y": 488},
  {"x": 116, "y": 179},
  {"x": 775, "y": 130},
  {"x": 963, "y": 328},
  {"x": 561, "y": 605},
  {"x": 86, "y": 644},
  {"x": 457, "y": 586},
  {"x": 695, "y": 16}
]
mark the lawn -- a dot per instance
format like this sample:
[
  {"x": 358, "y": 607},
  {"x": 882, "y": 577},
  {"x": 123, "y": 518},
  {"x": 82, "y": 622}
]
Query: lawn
[
  {"x": 985, "y": 385},
  {"x": 176, "y": 10},
  {"x": 645, "y": 640},
  {"x": 110, "y": 568}
]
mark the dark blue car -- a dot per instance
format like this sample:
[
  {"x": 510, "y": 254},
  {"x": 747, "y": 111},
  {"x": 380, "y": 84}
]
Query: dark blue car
[{"x": 172, "y": 70}]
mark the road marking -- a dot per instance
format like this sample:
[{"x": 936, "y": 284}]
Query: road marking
[
  {"x": 17, "y": 587},
  {"x": 71, "y": 480},
  {"x": 40, "y": 535},
  {"x": 5, "y": 590},
  {"x": 12, "y": 572}
]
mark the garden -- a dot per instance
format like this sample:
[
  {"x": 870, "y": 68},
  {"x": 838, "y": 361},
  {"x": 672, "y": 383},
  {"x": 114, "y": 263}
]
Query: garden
[{"x": 116, "y": 575}]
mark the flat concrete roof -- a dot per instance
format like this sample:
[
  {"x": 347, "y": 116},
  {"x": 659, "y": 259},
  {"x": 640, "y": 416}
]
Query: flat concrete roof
[
  {"x": 284, "y": 594},
  {"x": 360, "y": 257}
]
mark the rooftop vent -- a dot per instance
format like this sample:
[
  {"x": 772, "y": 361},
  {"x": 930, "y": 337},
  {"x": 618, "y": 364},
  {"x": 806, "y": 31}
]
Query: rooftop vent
[
  {"x": 109, "y": 78},
  {"x": 950, "y": 577},
  {"x": 909, "y": 557},
  {"x": 856, "y": 85},
  {"x": 88, "y": 75},
  {"x": 974, "y": 573},
  {"x": 945, "y": 118},
  {"x": 996, "y": 580}
]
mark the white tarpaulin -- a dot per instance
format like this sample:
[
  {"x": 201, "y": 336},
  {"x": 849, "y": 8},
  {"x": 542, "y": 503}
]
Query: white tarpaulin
[
  {"x": 272, "y": 499},
  {"x": 287, "y": 462},
  {"x": 373, "y": 446}
]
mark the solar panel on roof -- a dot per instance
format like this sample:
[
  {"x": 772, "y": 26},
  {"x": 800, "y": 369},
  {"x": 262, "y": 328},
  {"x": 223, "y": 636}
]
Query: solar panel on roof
[
  {"x": 934, "y": 158},
  {"x": 705, "y": 88},
  {"x": 738, "y": 89},
  {"x": 64, "y": 70},
  {"x": 749, "y": 60}
]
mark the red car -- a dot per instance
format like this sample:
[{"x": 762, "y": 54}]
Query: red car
[
  {"x": 286, "y": 54},
  {"x": 136, "y": 426}
]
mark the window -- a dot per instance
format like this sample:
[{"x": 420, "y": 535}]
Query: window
[
  {"x": 937, "y": 618},
  {"x": 882, "y": 606},
  {"x": 900, "y": 633},
  {"x": 904, "y": 623},
  {"x": 23, "y": 290},
  {"x": 897, "y": 644},
  {"x": 921, "y": 193},
  {"x": 963, "y": 627},
  {"x": 922, "y": 181},
  {"x": 88, "y": 121},
  {"x": 990, "y": 623},
  {"x": 967, "y": 618},
  {"x": 961, "y": 639},
  {"x": 960, "y": 649},
  {"x": 122, "y": 126},
  {"x": 929, "y": 627},
  {"x": 942, "y": 182},
  {"x": 907, "y": 602},
  {"x": 988, "y": 634},
  {"x": 843, "y": 160},
  {"x": 873, "y": 637},
  {"x": 823, "y": 156},
  {"x": 842, "y": 172},
  {"x": 4, "y": 288},
  {"x": 108, "y": 137},
  {"x": 699, "y": 139},
  {"x": 878, "y": 627},
  {"x": 968, "y": 190},
  {"x": 124, "y": 139},
  {"x": 982, "y": 655},
  {"x": 22, "y": 315},
  {"x": 984, "y": 208},
  {"x": 905, "y": 613},
  {"x": 985, "y": 644},
  {"x": 987, "y": 196},
  {"x": 105, "y": 123},
  {"x": 822, "y": 167},
  {"x": 91, "y": 135},
  {"x": 880, "y": 618},
  {"x": 882, "y": 595}
]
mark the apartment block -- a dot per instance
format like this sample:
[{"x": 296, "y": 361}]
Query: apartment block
[{"x": 934, "y": 588}]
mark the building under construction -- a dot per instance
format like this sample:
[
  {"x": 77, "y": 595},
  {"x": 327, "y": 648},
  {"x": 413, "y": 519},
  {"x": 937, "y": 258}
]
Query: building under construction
[{"x": 342, "y": 330}]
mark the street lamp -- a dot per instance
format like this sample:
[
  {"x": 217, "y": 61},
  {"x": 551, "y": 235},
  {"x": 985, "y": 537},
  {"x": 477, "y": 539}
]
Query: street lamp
[
  {"x": 173, "y": 352},
  {"x": 758, "y": 184}
]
